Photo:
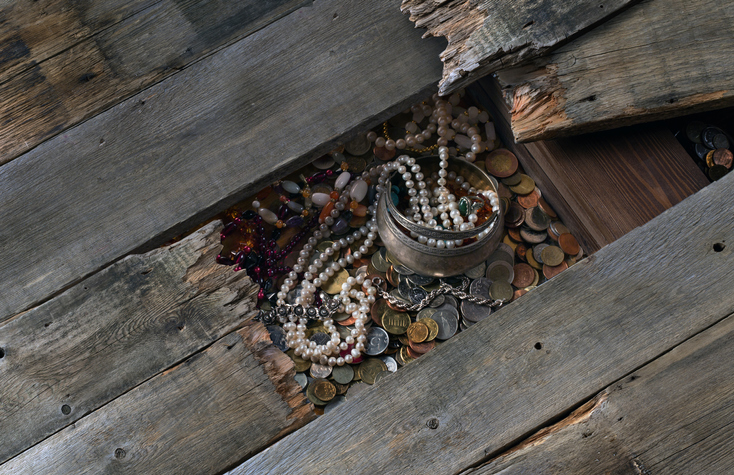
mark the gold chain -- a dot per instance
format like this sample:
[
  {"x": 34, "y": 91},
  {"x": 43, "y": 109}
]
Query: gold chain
[{"x": 423, "y": 150}]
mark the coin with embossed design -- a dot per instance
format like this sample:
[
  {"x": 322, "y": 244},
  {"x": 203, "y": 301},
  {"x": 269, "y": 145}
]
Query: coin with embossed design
[{"x": 377, "y": 340}]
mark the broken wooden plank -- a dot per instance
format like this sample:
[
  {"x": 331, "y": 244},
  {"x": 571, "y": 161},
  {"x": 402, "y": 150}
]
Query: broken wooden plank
[
  {"x": 536, "y": 359},
  {"x": 198, "y": 142},
  {"x": 487, "y": 35},
  {"x": 101, "y": 53},
  {"x": 605, "y": 184},
  {"x": 202, "y": 416},
  {"x": 671, "y": 416},
  {"x": 654, "y": 61},
  {"x": 118, "y": 328}
]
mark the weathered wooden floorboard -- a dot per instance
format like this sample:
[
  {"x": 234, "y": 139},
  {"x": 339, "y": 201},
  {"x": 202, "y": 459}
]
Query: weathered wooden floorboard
[
  {"x": 673, "y": 415},
  {"x": 67, "y": 61},
  {"x": 604, "y": 184},
  {"x": 202, "y": 416},
  {"x": 536, "y": 359},
  {"x": 118, "y": 328},
  {"x": 659, "y": 59},
  {"x": 198, "y": 142},
  {"x": 486, "y": 35}
]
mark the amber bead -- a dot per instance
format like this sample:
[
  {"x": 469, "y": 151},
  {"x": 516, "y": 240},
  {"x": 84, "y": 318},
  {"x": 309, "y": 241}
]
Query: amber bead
[
  {"x": 344, "y": 166},
  {"x": 334, "y": 195},
  {"x": 326, "y": 211},
  {"x": 353, "y": 204}
]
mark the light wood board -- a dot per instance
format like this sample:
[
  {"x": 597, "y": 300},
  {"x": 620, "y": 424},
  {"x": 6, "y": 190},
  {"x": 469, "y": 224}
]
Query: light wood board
[
  {"x": 65, "y": 61},
  {"x": 214, "y": 409},
  {"x": 194, "y": 144},
  {"x": 671, "y": 416},
  {"x": 536, "y": 359},
  {"x": 487, "y": 35},
  {"x": 603, "y": 184},
  {"x": 658, "y": 59},
  {"x": 118, "y": 328}
]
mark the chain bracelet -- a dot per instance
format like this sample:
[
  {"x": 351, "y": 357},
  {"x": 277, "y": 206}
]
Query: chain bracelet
[{"x": 443, "y": 289}]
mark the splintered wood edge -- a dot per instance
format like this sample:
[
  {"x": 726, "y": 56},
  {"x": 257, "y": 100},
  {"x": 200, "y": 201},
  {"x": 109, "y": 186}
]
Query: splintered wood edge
[
  {"x": 456, "y": 20},
  {"x": 281, "y": 370}
]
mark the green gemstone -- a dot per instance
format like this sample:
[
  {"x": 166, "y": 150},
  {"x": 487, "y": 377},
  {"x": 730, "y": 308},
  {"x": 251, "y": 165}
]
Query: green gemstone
[{"x": 464, "y": 206}]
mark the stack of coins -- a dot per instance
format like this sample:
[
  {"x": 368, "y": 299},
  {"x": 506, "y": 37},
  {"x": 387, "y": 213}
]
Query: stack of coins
[{"x": 710, "y": 146}]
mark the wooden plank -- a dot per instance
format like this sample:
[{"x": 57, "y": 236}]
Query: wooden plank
[
  {"x": 671, "y": 416},
  {"x": 66, "y": 61},
  {"x": 82, "y": 349},
  {"x": 202, "y": 416},
  {"x": 196, "y": 143},
  {"x": 535, "y": 359},
  {"x": 487, "y": 35},
  {"x": 604, "y": 185},
  {"x": 656, "y": 60}
]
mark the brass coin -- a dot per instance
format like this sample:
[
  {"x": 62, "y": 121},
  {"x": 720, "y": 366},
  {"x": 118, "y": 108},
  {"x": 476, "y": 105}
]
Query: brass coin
[
  {"x": 536, "y": 279},
  {"x": 710, "y": 158},
  {"x": 432, "y": 327},
  {"x": 359, "y": 145},
  {"x": 501, "y": 163},
  {"x": 379, "y": 262},
  {"x": 509, "y": 242},
  {"x": 341, "y": 389},
  {"x": 512, "y": 180},
  {"x": 369, "y": 369},
  {"x": 312, "y": 396},
  {"x": 501, "y": 291},
  {"x": 500, "y": 271},
  {"x": 334, "y": 284},
  {"x": 526, "y": 185},
  {"x": 324, "y": 390},
  {"x": 378, "y": 310},
  {"x": 300, "y": 364},
  {"x": 356, "y": 164},
  {"x": 417, "y": 332},
  {"x": 552, "y": 256},
  {"x": 532, "y": 261},
  {"x": 537, "y": 252},
  {"x": 343, "y": 374},
  {"x": 395, "y": 322},
  {"x": 404, "y": 356}
]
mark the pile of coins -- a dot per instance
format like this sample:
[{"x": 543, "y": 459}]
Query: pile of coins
[
  {"x": 710, "y": 146},
  {"x": 536, "y": 246}
]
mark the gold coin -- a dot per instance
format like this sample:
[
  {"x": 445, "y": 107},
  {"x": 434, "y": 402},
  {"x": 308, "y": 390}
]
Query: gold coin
[
  {"x": 312, "y": 396},
  {"x": 404, "y": 356},
  {"x": 501, "y": 291},
  {"x": 535, "y": 280},
  {"x": 356, "y": 164},
  {"x": 432, "y": 328},
  {"x": 404, "y": 340},
  {"x": 526, "y": 185},
  {"x": 531, "y": 260},
  {"x": 324, "y": 390},
  {"x": 370, "y": 368},
  {"x": 710, "y": 159},
  {"x": 334, "y": 284},
  {"x": 552, "y": 256},
  {"x": 395, "y": 322},
  {"x": 417, "y": 332},
  {"x": 300, "y": 364},
  {"x": 509, "y": 242}
]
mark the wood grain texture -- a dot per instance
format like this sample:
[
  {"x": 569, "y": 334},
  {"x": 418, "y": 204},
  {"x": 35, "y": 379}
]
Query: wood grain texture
[
  {"x": 113, "y": 331},
  {"x": 202, "y": 416},
  {"x": 605, "y": 184},
  {"x": 197, "y": 142},
  {"x": 487, "y": 35},
  {"x": 489, "y": 386},
  {"x": 656, "y": 60},
  {"x": 673, "y": 415},
  {"x": 66, "y": 61}
]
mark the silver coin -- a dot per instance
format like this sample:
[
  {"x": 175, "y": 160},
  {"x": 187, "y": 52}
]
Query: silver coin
[
  {"x": 377, "y": 340},
  {"x": 438, "y": 301},
  {"x": 417, "y": 295},
  {"x": 334, "y": 403},
  {"x": 450, "y": 309},
  {"x": 404, "y": 288},
  {"x": 476, "y": 272},
  {"x": 359, "y": 145},
  {"x": 451, "y": 300},
  {"x": 395, "y": 293},
  {"x": 320, "y": 338},
  {"x": 466, "y": 323},
  {"x": 320, "y": 371},
  {"x": 426, "y": 313},
  {"x": 361, "y": 271},
  {"x": 507, "y": 272},
  {"x": 402, "y": 270},
  {"x": 277, "y": 335},
  {"x": 390, "y": 362},
  {"x": 417, "y": 279},
  {"x": 343, "y": 374},
  {"x": 472, "y": 311},
  {"x": 301, "y": 379},
  {"x": 537, "y": 250},
  {"x": 379, "y": 262},
  {"x": 480, "y": 287},
  {"x": 448, "y": 323},
  {"x": 506, "y": 248}
]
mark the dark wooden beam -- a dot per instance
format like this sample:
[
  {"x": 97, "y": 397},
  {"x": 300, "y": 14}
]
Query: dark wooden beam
[
  {"x": 659, "y": 59},
  {"x": 487, "y": 35},
  {"x": 536, "y": 359},
  {"x": 170, "y": 157}
]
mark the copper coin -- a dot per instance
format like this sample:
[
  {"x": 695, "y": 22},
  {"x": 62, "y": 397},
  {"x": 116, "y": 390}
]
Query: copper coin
[
  {"x": 324, "y": 390},
  {"x": 412, "y": 353},
  {"x": 515, "y": 215},
  {"x": 546, "y": 207},
  {"x": 519, "y": 293},
  {"x": 529, "y": 201},
  {"x": 557, "y": 228},
  {"x": 348, "y": 321},
  {"x": 520, "y": 251},
  {"x": 417, "y": 332},
  {"x": 501, "y": 163},
  {"x": 423, "y": 347},
  {"x": 723, "y": 157},
  {"x": 514, "y": 233},
  {"x": 378, "y": 310},
  {"x": 569, "y": 244},
  {"x": 524, "y": 275},
  {"x": 551, "y": 271},
  {"x": 383, "y": 154}
]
